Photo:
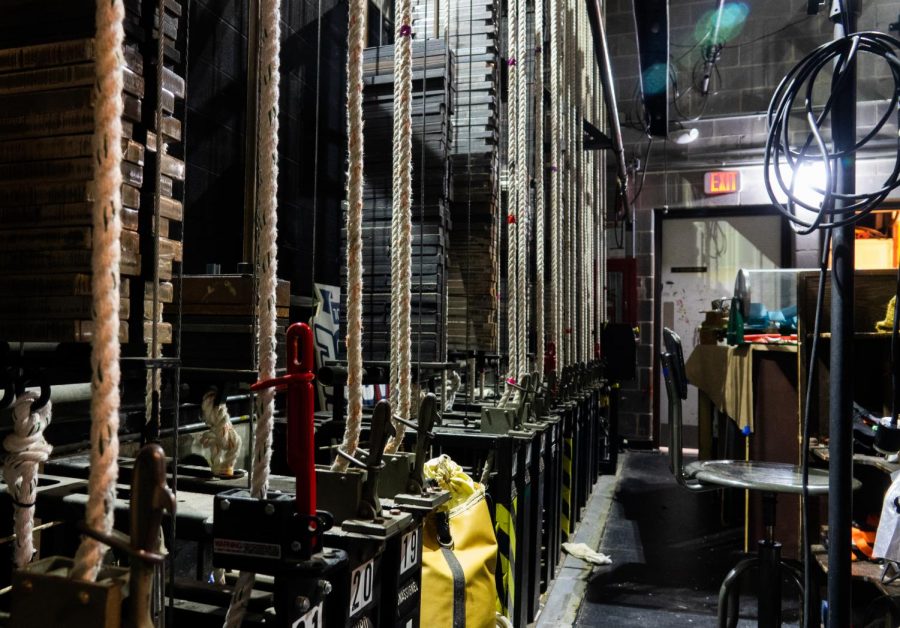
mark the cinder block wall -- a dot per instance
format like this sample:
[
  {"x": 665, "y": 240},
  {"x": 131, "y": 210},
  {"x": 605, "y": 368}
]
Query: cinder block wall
[{"x": 774, "y": 37}]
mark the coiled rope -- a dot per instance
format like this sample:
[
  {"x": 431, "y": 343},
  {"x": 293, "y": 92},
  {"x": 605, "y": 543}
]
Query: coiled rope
[
  {"x": 105, "y": 257},
  {"x": 221, "y": 438},
  {"x": 267, "y": 268},
  {"x": 26, "y": 449},
  {"x": 355, "y": 43},
  {"x": 401, "y": 224}
]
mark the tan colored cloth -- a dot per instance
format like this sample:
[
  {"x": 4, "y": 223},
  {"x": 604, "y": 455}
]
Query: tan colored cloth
[{"x": 725, "y": 375}]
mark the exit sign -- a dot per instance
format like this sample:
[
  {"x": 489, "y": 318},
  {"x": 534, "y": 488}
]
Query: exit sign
[{"x": 722, "y": 182}]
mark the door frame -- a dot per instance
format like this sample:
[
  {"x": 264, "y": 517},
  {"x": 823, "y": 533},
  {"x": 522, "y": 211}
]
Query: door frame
[{"x": 660, "y": 215}]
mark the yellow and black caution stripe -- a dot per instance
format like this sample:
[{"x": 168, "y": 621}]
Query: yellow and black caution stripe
[
  {"x": 506, "y": 549},
  {"x": 566, "y": 514}
]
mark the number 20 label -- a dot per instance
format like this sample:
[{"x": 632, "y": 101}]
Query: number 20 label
[
  {"x": 311, "y": 619},
  {"x": 361, "y": 586},
  {"x": 409, "y": 548}
]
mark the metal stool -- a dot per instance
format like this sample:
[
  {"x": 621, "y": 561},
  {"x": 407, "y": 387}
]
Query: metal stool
[{"x": 770, "y": 478}]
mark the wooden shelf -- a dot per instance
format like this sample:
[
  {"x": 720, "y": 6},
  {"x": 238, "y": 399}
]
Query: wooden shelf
[
  {"x": 861, "y": 570},
  {"x": 821, "y": 452},
  {"x": 862, "y": 335}
]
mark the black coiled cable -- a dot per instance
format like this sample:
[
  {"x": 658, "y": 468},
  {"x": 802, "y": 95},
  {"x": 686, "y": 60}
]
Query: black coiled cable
[{"x": 838, "y": 55}]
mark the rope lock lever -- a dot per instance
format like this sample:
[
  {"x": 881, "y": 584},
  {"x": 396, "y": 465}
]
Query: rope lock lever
[{"x": 298, "y": 382}]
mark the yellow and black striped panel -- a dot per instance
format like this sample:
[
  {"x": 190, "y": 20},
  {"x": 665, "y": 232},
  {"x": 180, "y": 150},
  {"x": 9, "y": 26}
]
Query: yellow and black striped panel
[
  {"x": 506, "y": 546},
  {"x": 565, "y": 522}
]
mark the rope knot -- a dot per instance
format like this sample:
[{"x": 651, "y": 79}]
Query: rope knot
[
  {"x": 510, "y": 219},
  {"x": 405, "y": 30},
  {"x": 221, "y": 438},
  {"x": 537, "y": 50},
  {"x": 26, "y": 449},
  {"x": 511, "y": 62}
]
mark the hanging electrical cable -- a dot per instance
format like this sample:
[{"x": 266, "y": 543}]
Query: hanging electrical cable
[
  {"x": 813, "y": 156},
  {"x": 105, "y": 257},
  {"x": 355, "y": 44},
  {"x": 267, "y": 270},
  {"x": 401, "y": 225}
]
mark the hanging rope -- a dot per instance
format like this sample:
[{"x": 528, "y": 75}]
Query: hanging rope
[
  {"x": 26, "y": 449},
  {"x": 512, "y": 187},
  {"x": 522, "y": 191},
  {"x": 267, "y": 269},
  {"x": 355, "y": 43},
  {"x": 105, "y": 255},
  {"x": 401, "y": 224},
  {"x": 539, "y": 185},
  {"x": 221, "y": 438},
  {"x": 555, "y": 165}
]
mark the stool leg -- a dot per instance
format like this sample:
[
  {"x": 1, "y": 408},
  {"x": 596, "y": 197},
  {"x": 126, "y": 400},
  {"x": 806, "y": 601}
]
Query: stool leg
[
  {"x": 729, "y": 593},
  {"x": 796, "y": 576},
  {"x": 769, "y": 584}
]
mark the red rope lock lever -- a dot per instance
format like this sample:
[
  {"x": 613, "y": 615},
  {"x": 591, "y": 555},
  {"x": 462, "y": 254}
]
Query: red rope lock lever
[{"x": 298, "y": 382}]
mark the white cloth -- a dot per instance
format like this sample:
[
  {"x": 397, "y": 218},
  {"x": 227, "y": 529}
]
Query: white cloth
[
  {"x": 585, "y": 553},
  {"x": 887, "y": 538}
]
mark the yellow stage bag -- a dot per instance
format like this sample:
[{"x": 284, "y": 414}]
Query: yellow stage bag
[{"x": 459, "y": 554}]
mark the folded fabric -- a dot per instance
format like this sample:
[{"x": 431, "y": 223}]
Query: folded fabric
[
  {"x": 451, "y": 477},
  {"x": 585, "y": 553}
]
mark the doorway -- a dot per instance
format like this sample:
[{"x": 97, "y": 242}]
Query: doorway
[{"x": 698, "y": 256}]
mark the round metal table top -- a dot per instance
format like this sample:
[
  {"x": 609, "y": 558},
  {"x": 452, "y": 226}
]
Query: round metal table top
[{"x": 773, "y": 477}]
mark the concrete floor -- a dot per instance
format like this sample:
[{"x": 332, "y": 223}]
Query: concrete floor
[{"x": 670, "y": 552}]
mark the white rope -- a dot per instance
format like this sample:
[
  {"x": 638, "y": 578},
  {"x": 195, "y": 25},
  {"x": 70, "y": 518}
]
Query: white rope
[
  {"x": 267, "y": 267},
  {"x": 401, "y": 224},
  {"x": 105, "y": 256},
  {"x": 26, "y": 450},
  {"x": 555, "y": 170},
  {"x": 522, "y": 192},
  {"x": 512, "y": 187},
  {"x": 539, "y": 185},
  {"x": 221, "y": 438},
  {"x": 355, "y": 43}
]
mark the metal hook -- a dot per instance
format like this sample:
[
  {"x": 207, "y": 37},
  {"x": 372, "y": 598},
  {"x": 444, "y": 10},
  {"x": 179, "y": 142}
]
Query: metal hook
[
  {"x": 22, "y": 382},
  {"x": 7, "y": 383}
]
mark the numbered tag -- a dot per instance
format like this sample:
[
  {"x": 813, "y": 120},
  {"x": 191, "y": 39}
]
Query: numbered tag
[
  {"x": 409, "y": 548},
  {"x": 362, "y": 582},
  {"x": 311, "y": 619}
]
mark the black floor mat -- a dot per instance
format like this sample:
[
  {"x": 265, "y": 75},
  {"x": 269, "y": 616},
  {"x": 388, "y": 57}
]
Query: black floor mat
[{"x": 670, "y": 551}]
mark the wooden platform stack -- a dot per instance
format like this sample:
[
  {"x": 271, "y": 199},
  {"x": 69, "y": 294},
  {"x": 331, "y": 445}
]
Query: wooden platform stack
[
  {"x": 431, "y": 108},
  {"x": 46, "y": 125},
  {"x": 218, "y": 318},
  {"x": 473, "y": 256}
]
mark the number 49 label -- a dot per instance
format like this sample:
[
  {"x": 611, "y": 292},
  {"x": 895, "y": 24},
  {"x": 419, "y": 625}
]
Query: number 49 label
[
  {"x": 311, "y": 619},
  {"x": 409, "y": 548},
  {"x": 362, "y": 587}
]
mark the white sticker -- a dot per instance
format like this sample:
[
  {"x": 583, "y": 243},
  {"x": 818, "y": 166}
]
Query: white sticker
[
  {"x": 312, "y": 618},
  {"x": 409, "y": 551},
  {"x": 362, "y": 582}
]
